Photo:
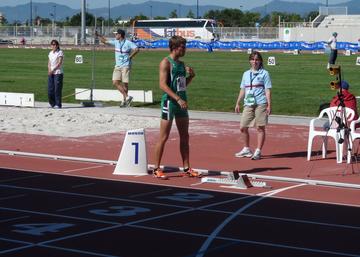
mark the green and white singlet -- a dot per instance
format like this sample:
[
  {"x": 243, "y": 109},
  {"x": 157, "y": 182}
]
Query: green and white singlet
[{"x": 177, "y": 83}]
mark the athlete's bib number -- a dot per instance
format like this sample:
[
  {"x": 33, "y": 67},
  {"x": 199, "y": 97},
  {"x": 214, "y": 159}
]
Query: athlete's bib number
[{"x": 181, "y": 84}]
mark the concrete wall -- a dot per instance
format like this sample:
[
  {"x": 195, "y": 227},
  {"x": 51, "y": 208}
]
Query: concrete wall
[{"x": 351, "y": 34}]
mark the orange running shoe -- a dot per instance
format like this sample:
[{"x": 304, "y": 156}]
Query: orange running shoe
[
  {"x": 158, "y": 173},
  {"x": 191, "y": 173}
]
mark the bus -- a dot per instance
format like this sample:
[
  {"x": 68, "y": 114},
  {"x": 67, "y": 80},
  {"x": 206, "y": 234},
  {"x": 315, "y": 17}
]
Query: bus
[{"x": 201, "y": 29}]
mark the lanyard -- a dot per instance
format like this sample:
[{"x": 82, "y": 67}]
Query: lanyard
[
  {"x": 121, "y": 46},
  {"x": 252, "y": 79}
]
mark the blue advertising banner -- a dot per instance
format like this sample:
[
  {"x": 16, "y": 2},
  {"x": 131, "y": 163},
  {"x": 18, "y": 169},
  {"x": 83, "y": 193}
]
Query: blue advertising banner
[{"x": 233, "y": 45}]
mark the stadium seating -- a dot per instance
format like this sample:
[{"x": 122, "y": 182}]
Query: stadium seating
[{"x": 335, "y": 21}]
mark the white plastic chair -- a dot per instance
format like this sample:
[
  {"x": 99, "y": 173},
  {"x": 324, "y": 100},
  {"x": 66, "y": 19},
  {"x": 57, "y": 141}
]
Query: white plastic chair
[
  {"x": 353, "y": 136},
  {"x": 331, "y": 113}
]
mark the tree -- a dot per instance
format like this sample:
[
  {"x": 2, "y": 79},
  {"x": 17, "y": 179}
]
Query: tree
[
  {"x": 265, "y": 21},
  {"x": 138, "y": 17},
  {"x": 4, "y": 21},
  {"x": 237, "y": 18},
  {"x": 44, "y": 21},
  {"x": 160, "y": 18},
  {"x": 173, "y": 14},
  {"x": 311, "y": 15},
  {"x": 16, "y": 23},
  {"x": 76, "y": 19},
  {"x": 232, "y": 17},
  {"x": 285, "y": 17},
  {"x": 190, "y": 14},
  {"x": 250, "y": 19}
]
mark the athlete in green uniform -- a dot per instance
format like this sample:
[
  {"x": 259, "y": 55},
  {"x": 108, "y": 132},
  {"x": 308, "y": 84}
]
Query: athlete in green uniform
[
  {"x": 174, "y": 77},
  {"x": 177, "y": 83}
]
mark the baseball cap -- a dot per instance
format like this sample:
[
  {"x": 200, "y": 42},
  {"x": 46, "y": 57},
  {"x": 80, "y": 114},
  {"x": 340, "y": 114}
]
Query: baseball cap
[
  {"x": 335, "y": 34},
  {"x": 120, "y": 31},
  {"x": 345, "y": 85}
]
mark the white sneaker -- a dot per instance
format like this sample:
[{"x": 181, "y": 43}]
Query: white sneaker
[
  {"x": 256, "y": 155},
  {"x": 245, "y": 152},
  {"x": 128, "y": 101}
]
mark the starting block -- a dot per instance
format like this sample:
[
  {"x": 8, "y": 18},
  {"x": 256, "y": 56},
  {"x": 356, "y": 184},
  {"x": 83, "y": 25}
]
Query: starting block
[
  {"x": 133, "y": 159},
  {"x": 235, "y": 180}
]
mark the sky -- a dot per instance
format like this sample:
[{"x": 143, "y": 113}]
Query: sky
[{"x": 243, "y": 4}]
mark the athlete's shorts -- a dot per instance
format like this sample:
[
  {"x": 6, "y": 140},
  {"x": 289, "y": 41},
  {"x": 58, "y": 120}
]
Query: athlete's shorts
[
  {"x": 254, "y": 116},
  {"x": 170, "y": 109},
  {"x": 122, "y": 74}
]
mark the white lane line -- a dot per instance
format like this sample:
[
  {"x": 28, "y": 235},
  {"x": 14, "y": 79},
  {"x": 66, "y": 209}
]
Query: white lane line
[
  {"x": 28, "y": 245},
  {"x": 92, "y": 196},
  {"x": 12, "y": 197},
  {"x": 150, "y": 193},
  {"x": 80, "y": 206},
  {"x": 247, "y": 241},
  {"x": 289, "y": 220},
  {"x": 87, "y": 168},
  {"x": 270, "y": 193},
  {"x": 213, "y": 235},
  {"x": 18, "y": 218},
  {"x": 58, "y": 215}
]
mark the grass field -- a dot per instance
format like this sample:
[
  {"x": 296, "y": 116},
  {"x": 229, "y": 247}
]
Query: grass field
[{"x": 300, "y": 83}]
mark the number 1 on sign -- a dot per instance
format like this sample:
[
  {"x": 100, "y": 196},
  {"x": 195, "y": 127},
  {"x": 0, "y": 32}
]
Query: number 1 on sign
[{"x": 136, "y": 145}]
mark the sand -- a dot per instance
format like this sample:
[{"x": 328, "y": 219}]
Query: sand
[{"x": 74, "y": 121}]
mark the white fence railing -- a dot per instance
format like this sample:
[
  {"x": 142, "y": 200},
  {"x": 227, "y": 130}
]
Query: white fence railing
[{"x": 71, "y": 35}]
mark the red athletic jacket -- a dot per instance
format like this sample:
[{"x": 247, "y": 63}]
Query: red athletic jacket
[{"x": 349, "y": 101}]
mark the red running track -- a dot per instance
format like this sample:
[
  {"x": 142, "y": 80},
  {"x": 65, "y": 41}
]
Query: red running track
[{"x": 213, "y": 144}]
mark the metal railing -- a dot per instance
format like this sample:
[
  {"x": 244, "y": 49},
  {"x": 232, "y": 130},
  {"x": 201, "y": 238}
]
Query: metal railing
[{"x": 71, "y": 35}]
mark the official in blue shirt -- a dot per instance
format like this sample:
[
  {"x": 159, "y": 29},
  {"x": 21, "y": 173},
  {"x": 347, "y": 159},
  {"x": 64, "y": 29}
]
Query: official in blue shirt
[
  {"x": 255, "y": 91},
  {"x": 125, "y": 50}
]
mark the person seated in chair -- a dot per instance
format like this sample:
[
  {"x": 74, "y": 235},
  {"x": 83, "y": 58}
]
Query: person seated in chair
[
  {"x": 349, "y": 98},
  {"x": 349, "y": 101}
]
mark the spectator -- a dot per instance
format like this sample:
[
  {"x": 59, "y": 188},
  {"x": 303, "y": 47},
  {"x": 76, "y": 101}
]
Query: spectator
[
  {"x": 55, "y": 75},
  {"x": 348, "y": 98},
  {"x": 332, "y": 42},
  {"x": 23, "y": 41}
]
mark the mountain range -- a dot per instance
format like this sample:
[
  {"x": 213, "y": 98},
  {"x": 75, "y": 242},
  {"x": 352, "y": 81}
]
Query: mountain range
[{"x": 154, "y": 8}]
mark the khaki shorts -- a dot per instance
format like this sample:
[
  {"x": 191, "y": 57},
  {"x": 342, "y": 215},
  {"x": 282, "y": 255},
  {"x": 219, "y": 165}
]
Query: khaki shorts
[
  {"x": 254, "y": 116},
  {"x": 122, "y": 74}
]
